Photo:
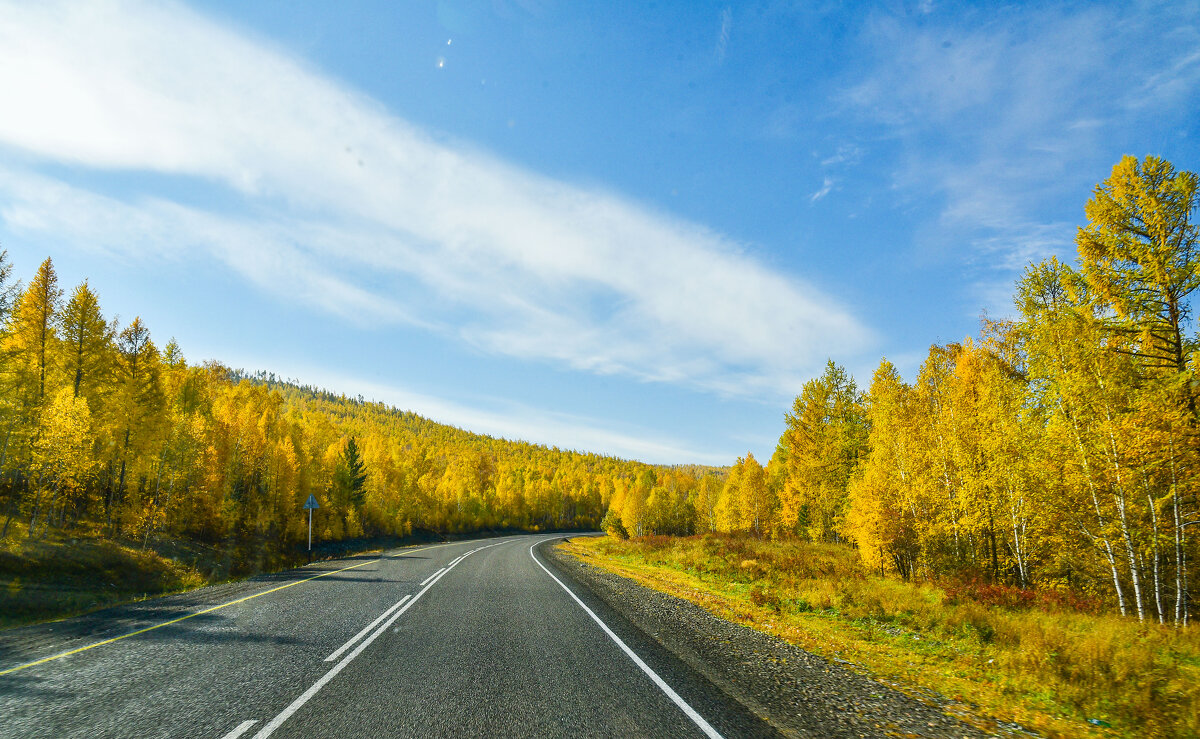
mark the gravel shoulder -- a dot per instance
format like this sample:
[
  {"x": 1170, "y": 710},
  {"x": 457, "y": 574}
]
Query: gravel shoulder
[{"x": 799, "y": 693}]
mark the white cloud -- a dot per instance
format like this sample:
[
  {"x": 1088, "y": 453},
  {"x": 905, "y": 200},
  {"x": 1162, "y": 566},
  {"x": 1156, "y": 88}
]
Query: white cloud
[
  {"x": 848, "y": 154},
  {"x": 1015, "y": 245},
  {"x": 342, "y": 204},
  {"x": 723, "y": 35},
  {"x": 264, "y": 253},
  {"x": 826, "y": 188},
  {"x": 1179, "y": 81}
]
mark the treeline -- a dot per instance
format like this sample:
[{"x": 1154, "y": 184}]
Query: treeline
[
  {"x": 1059, "y": 449},
  {"x": 102, "y": 433}
]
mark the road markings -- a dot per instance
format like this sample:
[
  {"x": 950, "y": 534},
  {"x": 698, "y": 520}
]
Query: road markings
[
  {"x": 295, "y": 705},
  {"x": 240, "y": 729},
  {"x": 369, "y": 626},
  {"x": 678, "y": 701},
  {"x": 193, "y": 615},
  {"x": 436, "y": 574}
]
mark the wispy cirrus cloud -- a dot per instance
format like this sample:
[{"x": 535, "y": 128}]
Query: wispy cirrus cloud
[
  {"x": 723, "y": 34},
  {"x": 846, "y": 154},
  {"x": 999, "y": 112},
  {"x": 826, "y": 188},
  {"x": 338, "y": 202}
]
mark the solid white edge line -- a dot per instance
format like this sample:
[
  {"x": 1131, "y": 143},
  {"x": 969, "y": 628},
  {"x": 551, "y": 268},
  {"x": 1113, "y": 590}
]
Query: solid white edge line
[
  {"x": 691, "y": 713},
  {"x": 295, "y": 705},
  {"x": 361, "y": 634},
  {"x": 240, "y": 729},
  {"x": 426, "y": 580}
]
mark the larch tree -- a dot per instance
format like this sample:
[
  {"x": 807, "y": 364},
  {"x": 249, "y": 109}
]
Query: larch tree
[
  {"x": 32, "y": 335},
  {"x": 728, "y": 509},
  {"x": 753, "y": 497},
  {"x": 883, "y": 511},
  {"x": 139, "y": 405},
  {"x": 1141, "y": 256},
  {"x": 61, "y": 460},
  {"x": 945, "y": 539},
  {"x": 826, "y": 433},
  {"x": 10, "y": 288},
  {"x": 27, "y": 347},
  {"x": 87, "y": 342}
]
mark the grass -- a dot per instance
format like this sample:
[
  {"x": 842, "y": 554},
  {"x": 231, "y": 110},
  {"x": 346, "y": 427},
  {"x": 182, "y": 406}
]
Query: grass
[
  {"x": 64, "y": 575},
  {"x": 997, "y": 654},
  {"x": 59, "y": 577}
]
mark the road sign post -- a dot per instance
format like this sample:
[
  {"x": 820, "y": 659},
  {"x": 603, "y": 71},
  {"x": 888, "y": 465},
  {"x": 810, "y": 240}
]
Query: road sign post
[{"x": 310, "y": 505}]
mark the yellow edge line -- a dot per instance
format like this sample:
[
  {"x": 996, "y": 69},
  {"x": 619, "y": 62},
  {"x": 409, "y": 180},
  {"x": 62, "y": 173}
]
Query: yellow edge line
[{"x": 197, "y": 613}]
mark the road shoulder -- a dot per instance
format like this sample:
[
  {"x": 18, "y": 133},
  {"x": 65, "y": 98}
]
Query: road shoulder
[{"x": 798, "y": 693}]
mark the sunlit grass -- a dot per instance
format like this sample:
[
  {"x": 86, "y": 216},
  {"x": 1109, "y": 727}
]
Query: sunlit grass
[{"x": 1043, "y": 666}]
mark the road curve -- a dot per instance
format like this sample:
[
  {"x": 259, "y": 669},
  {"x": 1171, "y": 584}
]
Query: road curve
[{"x": 469, "y": 638}]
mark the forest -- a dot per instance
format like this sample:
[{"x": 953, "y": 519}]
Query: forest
[
  {"x": 103, "y": 435},
  {"x": 1057, "y": 450}
]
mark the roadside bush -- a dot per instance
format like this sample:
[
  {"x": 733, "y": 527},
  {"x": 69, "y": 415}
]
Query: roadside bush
[
  {"x": 613, "y": 526},
  {"x": 762, "y": 596}
]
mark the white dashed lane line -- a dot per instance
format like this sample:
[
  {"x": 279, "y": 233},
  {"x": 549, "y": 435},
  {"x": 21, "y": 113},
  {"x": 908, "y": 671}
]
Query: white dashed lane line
[
  {"x": 338, "y": 652},
  {"x": 240, "y": 729},
  {"x": 307, "y": 695}
]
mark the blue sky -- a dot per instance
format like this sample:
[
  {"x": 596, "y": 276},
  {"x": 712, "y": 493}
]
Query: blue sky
[{"x": 628, "y": 228}]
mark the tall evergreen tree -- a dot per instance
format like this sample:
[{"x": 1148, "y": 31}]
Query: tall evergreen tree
[{"x": 348, "y": 486}]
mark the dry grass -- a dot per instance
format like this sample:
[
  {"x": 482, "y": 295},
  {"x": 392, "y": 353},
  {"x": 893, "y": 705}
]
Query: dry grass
[
  {"x": 1034, "y": 661},
  {"x": 65, "y": 574},
  {"x": 60, "y": 577}
]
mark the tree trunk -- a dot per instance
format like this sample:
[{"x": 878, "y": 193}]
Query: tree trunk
[
  {"x": 119, "y": 492},
  {"x": 1108, "y": 551},
  {"x": 37, "y": 502},
  {"x": 1118, "y": 495},
  {"x": 1181, "y": 583},
  {"x": 1116, "y": 576},
  {"x": 1018, "y": 550},
  {"x": 992, "y": 542},
  {"x": 1131, "y": 553},
  {"x": 153, "y": 506},
  {"x": 1157, "y": 557},
  {"x": 13, "y": 508}
]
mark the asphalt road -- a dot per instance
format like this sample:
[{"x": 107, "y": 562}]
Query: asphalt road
[{"x": 471, "y": 638}]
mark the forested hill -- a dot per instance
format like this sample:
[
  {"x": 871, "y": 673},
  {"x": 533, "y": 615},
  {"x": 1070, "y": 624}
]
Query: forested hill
[
  {"x": 102, "y": 433},
  {"x": 446, "y": 478}
]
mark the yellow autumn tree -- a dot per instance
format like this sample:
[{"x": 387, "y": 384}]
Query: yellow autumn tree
[{"x": 61, "y": 461}]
